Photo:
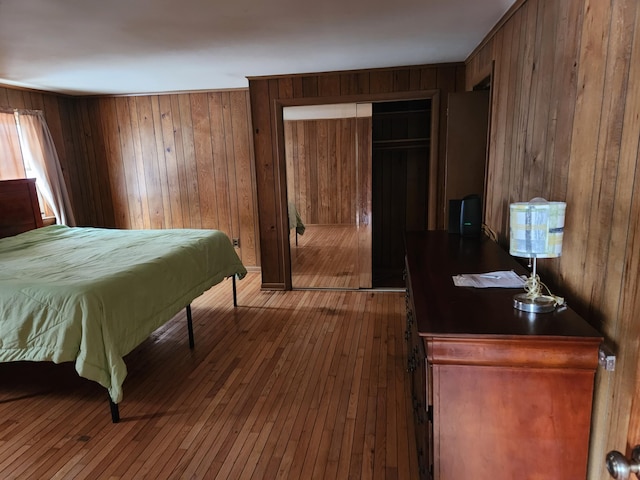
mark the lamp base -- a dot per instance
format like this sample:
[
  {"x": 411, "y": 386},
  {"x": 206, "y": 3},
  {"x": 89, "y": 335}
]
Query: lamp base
[{"x": 541, "y": 304}]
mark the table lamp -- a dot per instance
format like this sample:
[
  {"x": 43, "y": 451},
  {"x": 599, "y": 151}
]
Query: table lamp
[{"x": 536, "y": 229}]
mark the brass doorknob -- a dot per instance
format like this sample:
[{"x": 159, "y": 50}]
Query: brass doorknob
[{"x": 620, "y": 467}]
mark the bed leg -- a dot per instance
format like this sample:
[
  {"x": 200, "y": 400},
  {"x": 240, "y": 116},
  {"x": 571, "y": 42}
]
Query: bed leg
[
  {"x": 190, "y": 327},
  {"x": 115, "y": 411},
  {"x": 235, "y": 297}
]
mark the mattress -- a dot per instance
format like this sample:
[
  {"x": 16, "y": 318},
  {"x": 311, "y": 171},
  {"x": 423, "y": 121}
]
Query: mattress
[{"x": 91, "y": 295}]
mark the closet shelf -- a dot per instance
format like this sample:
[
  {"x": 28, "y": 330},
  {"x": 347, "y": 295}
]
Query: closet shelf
[{"x": 402, "y": 143}]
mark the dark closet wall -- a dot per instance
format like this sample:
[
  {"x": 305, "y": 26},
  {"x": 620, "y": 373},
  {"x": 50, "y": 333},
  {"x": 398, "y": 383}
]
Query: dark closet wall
[{"x": 401, "y": 134}]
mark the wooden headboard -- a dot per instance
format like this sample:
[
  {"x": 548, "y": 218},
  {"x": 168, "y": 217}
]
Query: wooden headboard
[{"x": 19, "y": 207}]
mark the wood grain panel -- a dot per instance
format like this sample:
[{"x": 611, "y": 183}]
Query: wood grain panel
[
  {"x": 116, "y": 172},
  {"x": 146, "y": 162},
  {"x": 224, "y": 164},
  {"x": 265, "y": 180},
  {"x": 203, "y": 153},
  {"x": 560, "y": 440},
  {"x": 521, "y": 352},
  {"x": 270, "y": 93},
  {"x": 170, "y": 161},
  {"x": 106, "y": 215},
  {"x": 627, "y": 210},
  {"x": 563, "y": 97},
  {"x": 320, "y": 169},
  {"x": 565, "y": 126}
]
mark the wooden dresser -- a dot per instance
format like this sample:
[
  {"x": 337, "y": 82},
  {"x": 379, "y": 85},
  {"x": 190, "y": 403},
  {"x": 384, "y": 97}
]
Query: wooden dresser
[{"x": 497, "y": 393}]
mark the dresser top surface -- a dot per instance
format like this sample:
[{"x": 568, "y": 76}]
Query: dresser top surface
[{"x": 441, "y": 308}]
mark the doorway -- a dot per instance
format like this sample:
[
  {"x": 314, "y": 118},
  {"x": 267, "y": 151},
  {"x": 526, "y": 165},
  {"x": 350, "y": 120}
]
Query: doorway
[
  {"x": 400, "y": 173},
  {"x": 357, "y": 179}
]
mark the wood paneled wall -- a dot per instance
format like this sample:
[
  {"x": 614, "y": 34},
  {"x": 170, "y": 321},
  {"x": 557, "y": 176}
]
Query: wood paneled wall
[
  {"x": 156, "y": 161},
  {"x": 172, "y": 161},
  {"x": 269, "y": 94},
  {"x": 321, "y": 169},
  {"x": 565, "y": 126}
]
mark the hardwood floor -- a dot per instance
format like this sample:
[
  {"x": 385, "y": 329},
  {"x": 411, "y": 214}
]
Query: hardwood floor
[
  {"x": 326, "y": 257},
  {"x": 302, "y": 384}
]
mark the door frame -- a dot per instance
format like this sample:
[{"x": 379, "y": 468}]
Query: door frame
[{"x": 279, "y": 154}]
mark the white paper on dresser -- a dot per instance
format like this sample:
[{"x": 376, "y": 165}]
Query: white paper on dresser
[{"x": 500, "y": 279}]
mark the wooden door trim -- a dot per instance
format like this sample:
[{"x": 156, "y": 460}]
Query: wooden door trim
[
  {"x": 357, "y": 98},
  {"x": 280, "y": 167},
  {"x": 282, "y": 214}
]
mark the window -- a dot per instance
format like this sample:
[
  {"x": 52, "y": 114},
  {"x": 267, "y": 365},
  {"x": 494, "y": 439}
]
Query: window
[
  {"x": 12, "y": 165},
  {"x": 12, "y": 162},
  {"x": 27, "y": 151}
]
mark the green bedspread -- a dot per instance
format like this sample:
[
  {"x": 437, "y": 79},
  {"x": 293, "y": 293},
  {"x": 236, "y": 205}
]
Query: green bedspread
[{"x": 92, "y": 295}]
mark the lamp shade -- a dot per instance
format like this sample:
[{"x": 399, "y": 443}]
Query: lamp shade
[{"x": 536, "y": 228}]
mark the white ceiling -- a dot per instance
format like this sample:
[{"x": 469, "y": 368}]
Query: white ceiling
[{"x": 150, "y": 46}]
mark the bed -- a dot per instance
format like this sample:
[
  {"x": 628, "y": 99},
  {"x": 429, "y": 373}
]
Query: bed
[{"x": 91, "y": 295}]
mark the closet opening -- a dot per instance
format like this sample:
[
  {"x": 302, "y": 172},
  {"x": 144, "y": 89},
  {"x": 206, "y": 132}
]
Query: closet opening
[{"x": 401, "y": 147}]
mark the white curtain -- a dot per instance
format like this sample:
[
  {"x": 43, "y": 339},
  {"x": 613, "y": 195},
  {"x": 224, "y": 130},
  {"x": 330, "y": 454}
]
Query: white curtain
[
  {"x": 11, "y": 165},
  {"x": 40, "y": 154}
]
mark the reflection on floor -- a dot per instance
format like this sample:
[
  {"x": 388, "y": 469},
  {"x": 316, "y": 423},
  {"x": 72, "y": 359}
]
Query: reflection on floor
[{"x": 326, "y": 257}]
